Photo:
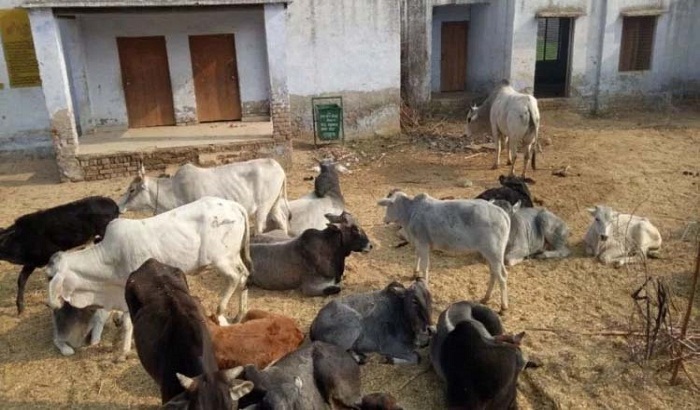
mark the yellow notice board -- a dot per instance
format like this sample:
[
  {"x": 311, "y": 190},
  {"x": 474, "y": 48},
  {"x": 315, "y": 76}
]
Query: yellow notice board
[{"x": 18, "y": 45}]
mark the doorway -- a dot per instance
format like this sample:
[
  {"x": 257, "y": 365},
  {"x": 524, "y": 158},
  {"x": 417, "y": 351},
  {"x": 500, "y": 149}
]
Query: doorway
[
  {"x": 453, "y": 56},
  {"x": 553, "y": 57},
  {"x": 215, "y": 75},
  {"x": 146, "y": 81}
]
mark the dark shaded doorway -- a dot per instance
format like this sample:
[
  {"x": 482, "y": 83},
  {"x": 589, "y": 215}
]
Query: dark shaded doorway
[{"x": 553, "y": 52}]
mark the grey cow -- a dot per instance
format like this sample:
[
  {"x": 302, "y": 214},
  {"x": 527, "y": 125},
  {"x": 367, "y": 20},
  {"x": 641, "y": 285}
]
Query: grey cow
[
  {"x": 532, "y": 231},
  {"x": 316, "y": 376},
  {"x": 393, "y": 322},
  {"x": 453, "y": 226},
  {"x": 313, "y": 262}
]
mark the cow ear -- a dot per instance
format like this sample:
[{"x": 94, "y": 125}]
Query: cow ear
[
  {"x": 336, "y": 219},
  {"x": 187, "y": 383},
  {"x": 396, "y": 288},
  {"x": 517, "y": 206},
  {"x": 518, "y": 338},
  {"x": 591, "y": 210},
  {"x": 385, "y": 201},
  {"x": 240, "y": 388}
]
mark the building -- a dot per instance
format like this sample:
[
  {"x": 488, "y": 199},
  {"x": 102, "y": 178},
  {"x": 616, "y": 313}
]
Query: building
[
  {"x": 595, "y": 53},
  {"x": 115, "y": 76}
]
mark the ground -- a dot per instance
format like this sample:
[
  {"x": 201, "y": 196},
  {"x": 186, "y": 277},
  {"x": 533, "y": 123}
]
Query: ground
[{"x": 632, "y": 162}]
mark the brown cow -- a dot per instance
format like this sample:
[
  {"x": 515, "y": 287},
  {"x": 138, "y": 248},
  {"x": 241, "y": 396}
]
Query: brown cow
[{"x": 260, "y": 339}]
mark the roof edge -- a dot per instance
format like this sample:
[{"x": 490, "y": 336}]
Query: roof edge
[{"x": 55, "y": 4}]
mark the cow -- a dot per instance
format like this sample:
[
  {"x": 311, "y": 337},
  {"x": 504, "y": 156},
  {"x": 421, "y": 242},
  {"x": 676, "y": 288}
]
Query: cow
[
  {"x": 173, "y": 343},
  {"x": 515, "y": 120},
  {"x": 316, "y": 376},
  {"x": 260, "y": 185},
  {"x": 513, "y": 189},
  {"x": 209, "y": 231},
  {"x": 313, "y": 262},
  {"x": 34, "y": 237},
  {"x": 259, "y": 339},
  {"x": 479, "y": 364},
  {"x": 619, "y": 238},
  {"x": 453, "y": 226},
  {"x": 74, "y": 328},
  {"x": 532, "y": 232},
  {"x": 393, "y": 322}
]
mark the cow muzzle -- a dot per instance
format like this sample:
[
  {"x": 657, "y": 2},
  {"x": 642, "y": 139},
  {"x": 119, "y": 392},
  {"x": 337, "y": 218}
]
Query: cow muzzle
[{"x": 603, "y": 238}]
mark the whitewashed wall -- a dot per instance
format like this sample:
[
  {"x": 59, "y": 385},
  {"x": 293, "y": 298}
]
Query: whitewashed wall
[
  {"x": 349, "y": 48},
  {"x": 24, "y": 122},
  {"x": 106, "y": 94}
]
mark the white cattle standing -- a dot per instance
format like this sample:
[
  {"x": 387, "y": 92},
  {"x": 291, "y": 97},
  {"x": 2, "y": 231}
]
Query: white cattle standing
[
  {"x": 453, "y": 226},
  {"x": 515, "y": 120},
  {"x": 617, "y": 238},
  {"x": 260, "y": 185},
  {"x": 209, "y": 231}
]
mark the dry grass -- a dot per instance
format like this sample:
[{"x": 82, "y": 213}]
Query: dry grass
[{"x": 635, "y": 160}]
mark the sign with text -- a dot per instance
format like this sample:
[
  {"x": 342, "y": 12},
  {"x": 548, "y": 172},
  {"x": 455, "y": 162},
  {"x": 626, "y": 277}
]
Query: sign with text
[{"x": 18, "y": 45}]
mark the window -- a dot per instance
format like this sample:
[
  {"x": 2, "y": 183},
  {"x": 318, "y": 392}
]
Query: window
[
  {"x": 637, "y": 43},
  {"x": 547, "y": 39}
]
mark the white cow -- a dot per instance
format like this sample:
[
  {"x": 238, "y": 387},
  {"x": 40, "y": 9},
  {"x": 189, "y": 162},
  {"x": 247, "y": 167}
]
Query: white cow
[
  {"x": 617, "y": 238},
  {"x": 260, "y": 185},
  {"x": 453, "y": 226},
  {"x": 209, "y": 231},
  {"x": 515, "y": 120}
]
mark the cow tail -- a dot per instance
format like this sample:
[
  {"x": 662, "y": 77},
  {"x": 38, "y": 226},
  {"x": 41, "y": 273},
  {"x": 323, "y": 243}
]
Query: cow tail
[
  {"x": 533, "y": 127},
  {"x": 245, "y": 245}
]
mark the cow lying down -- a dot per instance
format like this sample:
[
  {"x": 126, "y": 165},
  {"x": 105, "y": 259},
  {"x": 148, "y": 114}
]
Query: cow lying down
[
  {"x": 393, "y": 322},
  {"x": 313, "y": 262},
  {"x": 259, "y": 339},
  {"x": 317, "y": 376},
  {"x": 534, "y": 233},
  {"x": 479, "y": 364},
  {"x": 513, "y": 189}
]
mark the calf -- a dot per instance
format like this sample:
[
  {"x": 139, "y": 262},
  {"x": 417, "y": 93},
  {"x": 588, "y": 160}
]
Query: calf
[
  {"x": 74, "y": 327},
  {"x": 392, "y": 322},
  {"x": 313, "y": 262},
  {"x": 173, "y": 343},
  {"x": 34, "y": 237},
  {"x": 479, "y": 364},
  {"x": 619, "y": 238},
  {"x": 453, "y": 226},
  {"x": 207, "y": 232},
  {"x": 309, "y": 211},
  {"x": 260, "y": 339},
  {"x": 317, "y": 376},
  {"x": 532, "y": 231},
  {"x": 513, "y": 189}
]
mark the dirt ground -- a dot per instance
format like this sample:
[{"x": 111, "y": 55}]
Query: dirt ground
[{"x": 632, "y": 161}]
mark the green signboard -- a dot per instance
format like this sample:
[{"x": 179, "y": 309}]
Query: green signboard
[{"x": 328, "y": 118}]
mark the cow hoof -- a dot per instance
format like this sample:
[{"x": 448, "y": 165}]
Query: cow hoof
[
  {"x": 223, "y": 322},
  {"x": 65, "y": 349},
  {"x": 359, "y": 357},
  {"x": 484, "y": 301},
  {"x": 331, "y": 290},
  {"x": 503, "y": 311}
]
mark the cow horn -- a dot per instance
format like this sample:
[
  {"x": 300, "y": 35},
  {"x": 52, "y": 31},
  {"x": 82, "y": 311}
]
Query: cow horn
[
  {"x": 186, "y": 382},
  {"x": 231, "y": 374}
]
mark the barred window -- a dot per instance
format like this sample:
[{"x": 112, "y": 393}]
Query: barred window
[{"x": 637, "y": 43}]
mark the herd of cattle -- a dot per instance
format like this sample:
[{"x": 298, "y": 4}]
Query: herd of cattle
[{"x": 236, "y": 218}]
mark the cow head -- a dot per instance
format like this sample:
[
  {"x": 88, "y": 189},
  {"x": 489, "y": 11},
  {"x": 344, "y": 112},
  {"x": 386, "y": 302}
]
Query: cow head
[
  {"x": 136, "y": 197},
  {"x": 395, "y": 206},
  {"x": 76, "y": 327},
  {"x": 602, "y": 221},
  {"x": 418, "y": 307},
  {"x": 472, "y": 115},
  {"x": 218, "y": 391},
  {"x": 353, "y": 236},
  {"x": 378, "y": 401}
]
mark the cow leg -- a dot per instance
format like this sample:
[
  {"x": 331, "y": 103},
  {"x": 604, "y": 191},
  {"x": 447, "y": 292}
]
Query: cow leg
[
  {"x": 233, "y": 275},
  {"x": 502, "y": 282},
  {"x": 506, "y": 143},
  {"x": 128, "y": 335},
  {"x": 512, "y": 150},
  {"x": 497, "y": 139},
  {"x": 317, "y": 285},
  {"x": 423, "y": 261},
  {"x": 527, "y": 159},
  {"x": 97, "y": 325},
  {"x": 21, "y": 283}
]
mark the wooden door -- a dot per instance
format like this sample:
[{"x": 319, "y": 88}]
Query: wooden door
[
  {"x": 215, "y": 77},
  {"x": 453, "y": 59},
  {"x": 146, "y": 81}
]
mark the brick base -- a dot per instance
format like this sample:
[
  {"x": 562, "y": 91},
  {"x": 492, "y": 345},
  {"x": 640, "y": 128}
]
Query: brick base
[{"x": 122, "y": 164}]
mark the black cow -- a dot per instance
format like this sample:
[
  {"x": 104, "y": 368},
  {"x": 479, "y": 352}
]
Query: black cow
[
  {"x": 316, "y": 376},
  {"x": 313, "y": 262},
  {"x": 512, "y": 189},
  {"x": 173, "y": 342},
  {"x": 34, "y": 237},
  {"x": 393, "y": 322},
  {"x": 479, "y": 363}
]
